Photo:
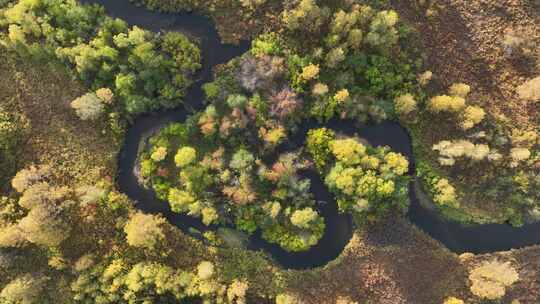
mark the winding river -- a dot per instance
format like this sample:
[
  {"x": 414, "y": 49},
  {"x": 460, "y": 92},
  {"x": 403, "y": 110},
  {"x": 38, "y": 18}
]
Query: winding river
[{"x": 339, "y": 227}]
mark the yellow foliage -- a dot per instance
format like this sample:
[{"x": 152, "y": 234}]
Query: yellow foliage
[
  {"x": 530, "y": 90},
  {"x": 490, "y": 279},
  {"x": 460, "y": 89},
  {"x": 159, "y": 154},
  {"x": 453, "y": 300},
  {"x": 341, "y": 95},
  {"x": 349, "y": 150},
  {"x": 310, "y": 72},
  {"x": 396, "y": 163},
  {"x": 320, "y": 89},
  {"x": 185, "y": 156},
  {"x": 405, "y": 104},
  {"x": 445, "y": 193},
  {"x": 445, "y": 103},
  {"x": 472, "y": 116}
]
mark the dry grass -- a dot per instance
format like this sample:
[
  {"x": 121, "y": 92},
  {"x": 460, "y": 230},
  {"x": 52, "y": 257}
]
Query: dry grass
[
  {"x": 391, "y": 262},
  {"x": 78, "y": 151}
]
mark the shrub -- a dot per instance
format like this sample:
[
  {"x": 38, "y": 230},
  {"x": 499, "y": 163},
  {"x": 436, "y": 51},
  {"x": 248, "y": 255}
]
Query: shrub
[
  {"x": 490, "y": 279},
  {"x": 530, "y": 90},
  {"x": 27, "y": 177},
  {"x": 144, "y": 230},
  {"x": 24, "y": 289},
  {"x": 445, "y": 103},
  {"x": 45, "y": 225},
  {"x": 472, "y": 116},
  {"x": 88, "y": 106},
  {"x": 453, "y": 300},
  {"x": 205, "y": 270},
  {"x": 460, "y": 90},
  {"x": 310, "y": 72},
  {"x": 405, "y": 104}
]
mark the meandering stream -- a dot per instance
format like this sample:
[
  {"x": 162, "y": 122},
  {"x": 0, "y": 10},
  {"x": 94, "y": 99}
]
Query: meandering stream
[{"x": 339, "y": 227}]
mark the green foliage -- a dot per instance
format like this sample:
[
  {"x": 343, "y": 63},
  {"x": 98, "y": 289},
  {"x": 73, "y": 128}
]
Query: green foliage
[
  {"x": 292, "y": 240},
  {"x": 266, "y": 44},
  {"x": 147, "y": 71},
  {"x": 318, "y": 145},
  {"x": 226, "y": 182},
  {"x": 151, "y": 282}
]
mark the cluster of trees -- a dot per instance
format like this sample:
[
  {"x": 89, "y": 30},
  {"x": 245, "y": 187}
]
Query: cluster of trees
[
  {"x": 218, "y": 179},
  {"x": 152, "y": 282},
  {"x": 455, "y": 103},
  {"x": 348, "y": 73},
  {"x": 148, "y": 71},
  {"x": 47, "y": 211},
  {"x": 365, "y": 180},
  {"x": 111, "y": 258}
]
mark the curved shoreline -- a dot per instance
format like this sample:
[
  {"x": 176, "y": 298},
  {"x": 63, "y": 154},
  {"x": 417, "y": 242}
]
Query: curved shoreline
[{"x": 458, "y": 238}]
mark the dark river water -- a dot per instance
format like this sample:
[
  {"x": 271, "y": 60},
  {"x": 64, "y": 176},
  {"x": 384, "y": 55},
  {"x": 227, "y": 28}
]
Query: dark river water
[{"x": 339, "y": 227}]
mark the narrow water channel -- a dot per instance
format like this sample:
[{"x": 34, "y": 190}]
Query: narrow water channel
[{"x": 339, "y": 227}]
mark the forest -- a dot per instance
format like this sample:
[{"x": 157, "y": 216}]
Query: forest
[{"x": 286, "y": 151}]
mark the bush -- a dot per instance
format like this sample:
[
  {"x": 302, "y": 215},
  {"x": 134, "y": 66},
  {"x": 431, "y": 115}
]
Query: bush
[
  {"x": 490, "y": 279},
  {"x": 472, "y": 116},
  {"x": 24, "y": 289},
  {"x": 405, "y": 104},
  {"x": 27, "y": 177},
  {"x": 530, "y": 90},
  {"x": 45, "y": 225},
  {"x": 453, "y": 300},
  {"x": 445, "y": 103},
  {"x": 144, "y": 230},
  {"x": 88, "y": 106}
]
